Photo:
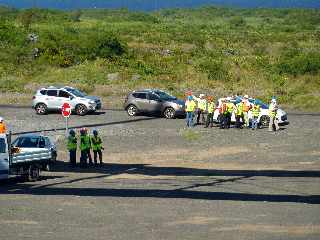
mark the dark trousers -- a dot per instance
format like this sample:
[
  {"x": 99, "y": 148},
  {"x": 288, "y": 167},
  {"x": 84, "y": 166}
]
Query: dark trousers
[
  {"x": 226, "y": 120},
  {"x": 73, "y": 157},
  {"x": 209, "y": 120},
  {"x": 85, "y": 154},
  {"x": 238, "y": 122},
  {"x": 95, "y": 156},
  {"x": 200, "y": 113}
]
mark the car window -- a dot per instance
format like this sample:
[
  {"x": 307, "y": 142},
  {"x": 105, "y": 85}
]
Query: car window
[
  {"x": 64, "y": 94},
  {"x": 47, "y": 142},
  {"x": 42, "y": 143},
  {"x": 26, "y": 142},
  {"x": 153, "y": 96},
  {"x": 76, "y": 92},
  {"x": 140, "y": 95},
  {"x": 43, "y": 92},
  {"x": 2, "y": 146},
  {"x": 165, "y": 96},
  {"x": 52, "y": 93}
]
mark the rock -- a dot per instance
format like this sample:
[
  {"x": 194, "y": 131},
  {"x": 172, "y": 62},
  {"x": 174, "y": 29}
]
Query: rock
[
  {"x": 135, "y": 77},
  {"x": 113, "y": 77}
]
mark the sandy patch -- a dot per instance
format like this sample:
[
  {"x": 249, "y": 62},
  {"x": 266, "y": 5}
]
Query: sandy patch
[{"x": 198, "y": 220}]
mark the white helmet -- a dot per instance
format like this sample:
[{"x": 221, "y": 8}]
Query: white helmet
[
  {"x": 246, "y": 96},
  {"x": 228, "y": 99},
  {"x": 201, "y": 95},
  {"x": 1, "y": 119}
]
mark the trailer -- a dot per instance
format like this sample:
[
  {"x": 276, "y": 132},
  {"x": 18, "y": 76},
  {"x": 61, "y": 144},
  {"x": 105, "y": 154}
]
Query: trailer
[{"x": 27, "y": 163}]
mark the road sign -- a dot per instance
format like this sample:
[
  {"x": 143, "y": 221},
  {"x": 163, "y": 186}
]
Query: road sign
[{"x": 66, "y": 110}]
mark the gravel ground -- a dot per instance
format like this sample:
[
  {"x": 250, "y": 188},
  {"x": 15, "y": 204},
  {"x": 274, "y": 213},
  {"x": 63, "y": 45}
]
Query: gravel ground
[{"x": 163, "y": 181}]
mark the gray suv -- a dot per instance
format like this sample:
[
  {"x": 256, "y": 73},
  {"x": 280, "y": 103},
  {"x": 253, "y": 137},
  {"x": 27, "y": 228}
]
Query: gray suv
[
  {"x": 52, "y": 98},
  {"x": 154, "y": 101}
]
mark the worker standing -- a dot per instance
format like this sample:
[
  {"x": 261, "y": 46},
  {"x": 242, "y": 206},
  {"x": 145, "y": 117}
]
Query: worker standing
[
  {"x": 273, "y": 107},
  {"x": 211, "y": 108},
  {"x": 228, "y": 113},
  {"x": 255, "y": 115},
  {"x": 190, "y": 107},
  {"x": 222, "y": 109},
  {"x": 201, "y": 108},
  {"x": 72, "y": 147},
  {"x": 239, "y": 114},
  {"x": 85, "y": 146},
  {"x": 3, "y": 128},
  {"x": 96, "y": 147},
  {"x": 246, "y": 108}
]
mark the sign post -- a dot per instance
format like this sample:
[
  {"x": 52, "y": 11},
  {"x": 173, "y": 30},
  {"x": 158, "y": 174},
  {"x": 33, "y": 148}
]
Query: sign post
[{"x": 66, "y": 112}]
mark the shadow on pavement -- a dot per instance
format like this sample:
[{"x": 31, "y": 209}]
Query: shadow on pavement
[{"x": 181, "y": 192}]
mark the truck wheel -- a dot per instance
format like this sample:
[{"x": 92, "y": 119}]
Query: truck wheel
[
  {"x": 81, "y": 110},
  {"x": 41, "y": 109},
  {"x": 169, "y": 113},
  {"x": 264, "y": 120},
  {"x": 33, "y": 173},
  {"x": 132, "y": 110}
]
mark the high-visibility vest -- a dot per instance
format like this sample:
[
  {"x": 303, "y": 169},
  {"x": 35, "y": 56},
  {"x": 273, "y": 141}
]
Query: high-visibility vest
[
  {"x": 72, "y": 143},
  {"x": 85, "y": 142},
  {"x": 96, "y": 143},
  {"x": 272, "y": 110},
  {"x": 240, "y": 109},
  {"x": 211, "y": 106},
  {"x": 202, "y": 104},
  {"x": 190, "y": 106},
  {"x": 229, "y": 107},
  {"x": 3, "y": 128},
  {"x": 246, "y": 106},
  {"x": 256, "y": 111}
]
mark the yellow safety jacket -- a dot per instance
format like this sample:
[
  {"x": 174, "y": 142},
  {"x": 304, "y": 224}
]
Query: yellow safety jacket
[
  {"x": 272, "y": 111},
  {"x": 190, "y": 106},
  {"x": 240, "y": 109},
  {"x": 229, "y": 108},
  {"x": 256, "y": 111},
  {"x": 202, "y": 104},
  {"x": 72, "y": 143},
  {"x": 211, "y": 107}
]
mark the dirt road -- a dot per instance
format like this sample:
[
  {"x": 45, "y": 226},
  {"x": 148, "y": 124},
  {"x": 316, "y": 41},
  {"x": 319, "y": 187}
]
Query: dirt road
[{"x": 162, "y": 181}]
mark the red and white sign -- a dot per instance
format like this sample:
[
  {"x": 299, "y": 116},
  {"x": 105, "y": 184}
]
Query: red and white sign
[{"x": 66, "y": 110}]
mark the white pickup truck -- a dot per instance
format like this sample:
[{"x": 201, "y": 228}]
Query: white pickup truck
[{"x": 26, "y": 162}]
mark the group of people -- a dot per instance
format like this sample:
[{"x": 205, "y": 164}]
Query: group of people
[
  {"x": 200, "y": 106},
  {"x": 87, "y": 143}
]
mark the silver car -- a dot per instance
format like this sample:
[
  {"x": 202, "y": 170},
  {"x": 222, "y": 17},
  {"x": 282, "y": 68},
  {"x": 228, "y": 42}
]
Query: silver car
[
  {"x": 154, "y": 101},
  {"x": 53, "y": 98}
]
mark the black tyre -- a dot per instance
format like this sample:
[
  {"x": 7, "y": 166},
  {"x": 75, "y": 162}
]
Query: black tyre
[
  {"x": 264, "y": 121},
  {"x": 41, "y": 109},
  {"x": 169, "y": 113},
  {"x": 33, "y": 173},
  {"x": 132, "y": 110},
  {"x": 81, "y": 110},
  {"x": 53, "y": 156}
]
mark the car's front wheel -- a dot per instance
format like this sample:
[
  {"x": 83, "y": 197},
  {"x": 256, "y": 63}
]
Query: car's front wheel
[
  {"x": 132, "y": 110},
  {"x": 81, "y": 110},
  {"x": 264, "y": 120},
  {"x": 169, "y": 113},
  {"x": 41, "y": 109}
]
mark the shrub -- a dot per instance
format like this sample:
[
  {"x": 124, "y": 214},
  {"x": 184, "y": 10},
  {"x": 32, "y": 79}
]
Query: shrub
[{"x": 215, "y": 69}]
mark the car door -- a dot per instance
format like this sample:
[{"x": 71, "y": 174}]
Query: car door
[
  {"x": 141, "y": 101},
  {"x": 4, "y": 158},
  {"x": 52, "y": 102},
  {"x": 155, "y": 103},
  {"x": 63, "y": 97}
]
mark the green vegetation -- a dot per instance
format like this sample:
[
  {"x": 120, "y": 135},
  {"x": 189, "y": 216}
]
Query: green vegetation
[{"x": 261, "y": 52}]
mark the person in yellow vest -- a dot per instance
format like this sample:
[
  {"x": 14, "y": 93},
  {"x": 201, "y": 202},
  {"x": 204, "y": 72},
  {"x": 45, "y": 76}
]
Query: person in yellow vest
[
  {"x": 239, "y": 114},
  {"x": 3, "y": 128},
  {"x": 229, "y": 109},
  {"x": 97, "y": 148},
  {"x": 255, "y": 115},
  {"x": 190, "y": 107},
  {"x": 201, "y": 108},
  {"x": 246, "y": 108},
  {"x": 85, "y": 147},
  {"x": 72, "y": 147},
  {"x": 273, "y": 107},
  {"x": 210, "y": 109}
]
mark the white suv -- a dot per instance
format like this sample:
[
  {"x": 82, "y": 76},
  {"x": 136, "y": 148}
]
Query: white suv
[{"x": 52, "y": 98}]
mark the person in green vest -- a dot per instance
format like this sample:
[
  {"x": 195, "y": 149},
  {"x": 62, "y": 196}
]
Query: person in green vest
[
  {"x": 255, "y": 115},
  {"x": 201, "y": 108},
  {"x": 72, "y": 147},
  {"x": 211, "y": 108},
  {"x": 273, "y": 108},
  {"x": 239, "y": 115},
  {"x": 85, "y": 146},
  {"x": 190, "y": 107},
  {"x": 97, "y": 148},
  {"x": 230, "y": 107}
]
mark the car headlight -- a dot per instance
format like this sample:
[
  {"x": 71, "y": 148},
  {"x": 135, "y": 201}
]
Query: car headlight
[{"x": 92, "y": 102}]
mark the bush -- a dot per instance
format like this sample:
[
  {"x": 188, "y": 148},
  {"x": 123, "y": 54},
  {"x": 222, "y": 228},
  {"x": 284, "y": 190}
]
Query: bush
[{"x": 215, "y": 69}]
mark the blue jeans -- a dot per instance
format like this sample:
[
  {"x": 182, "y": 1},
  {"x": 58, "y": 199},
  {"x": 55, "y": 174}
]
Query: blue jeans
[
  {"x": 254, "y": 122},
  {"x": 189, "y": 119}
]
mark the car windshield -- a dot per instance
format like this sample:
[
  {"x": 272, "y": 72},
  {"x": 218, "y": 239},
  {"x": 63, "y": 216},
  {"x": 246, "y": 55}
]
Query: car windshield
[
  {"x": 76, "y": 92},
  {"x": 260, "y": 103},
  {"x": 165, "y": 96},
  {"x": 26, "y": 142}
]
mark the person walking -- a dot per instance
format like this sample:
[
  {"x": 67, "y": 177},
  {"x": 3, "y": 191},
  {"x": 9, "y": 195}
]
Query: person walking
[
  {"x": 190, "y": 107},
  {"x": 3, "y": 128},
  {"x": 85, "y": 146},
  {"x": 273, "y": 107},
  {"x": 72, "y": 147},
  {"x": 246, "y": 108},
  {"x": 201, "y": 108},
  {"x": 255, "y": 115},
  {"x": 96, "y": 147},
  {"x": 211, "y": 108},
  {"x": 239, "y": 114}
]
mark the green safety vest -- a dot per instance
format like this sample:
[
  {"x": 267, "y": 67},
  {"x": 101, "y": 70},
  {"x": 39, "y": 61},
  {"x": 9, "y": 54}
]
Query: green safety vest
[
  {"x": 85, "y": 142},
  {"x": 202, "y": 104},
  {"x": 272, "y": 112},
  {"x": 240, "y": 109},
  {"x": 211, "y": 107},
  {"x": 96, "y": 143},
  {"x": 229, "y": 108},
  {"x": 190, "y": 106},
  {"x": 72, "y": 143},
  {"x": 256, "y": 111}
]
